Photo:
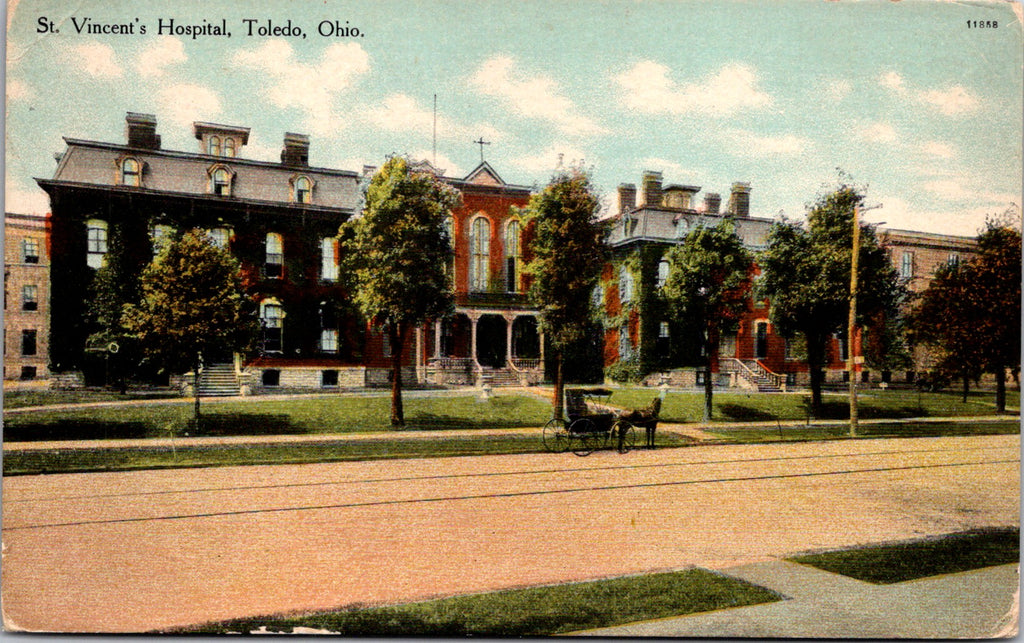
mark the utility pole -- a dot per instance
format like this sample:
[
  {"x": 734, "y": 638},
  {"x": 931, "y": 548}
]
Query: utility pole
[{"x": 851, "y": 327}]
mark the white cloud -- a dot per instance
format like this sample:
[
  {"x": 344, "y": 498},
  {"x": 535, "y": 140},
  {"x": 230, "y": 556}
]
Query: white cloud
[
  {"x": 184, "y": 103},
  {"x": 901, "y": 214},
  {"x": 533, "y": 97},
  {"x": 555, "y": 156},
  {"x": 879, "y": 133},
  {"x": 951, "y": 101},
  {"x": 19, "y": 90},
  {"x": 646, "y": 87},
  {"x": 941, "y": 150},
  {"x": 162, "y": 52},
  {"x": 95, "y": 59},
  {"x": 24, "y": 201},
  {"x": 311, "y": 88},
  {"x": 401, "y": 113},
  {"x": 749, "y": 144}
]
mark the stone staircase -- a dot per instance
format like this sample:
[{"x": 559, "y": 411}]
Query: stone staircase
[
  {"x": 219, "y": 380},
  {"x": 764, "y": 382},
  {"x": 499, "y": 377}
]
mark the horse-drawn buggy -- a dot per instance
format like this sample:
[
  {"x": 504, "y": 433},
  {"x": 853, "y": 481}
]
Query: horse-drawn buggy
[{"x": 591, "y": 424}]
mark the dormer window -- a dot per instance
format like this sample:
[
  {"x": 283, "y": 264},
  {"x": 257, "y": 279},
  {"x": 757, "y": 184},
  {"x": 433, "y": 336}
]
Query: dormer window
[
  {"x": 302, "y": 189},
  {"x": 229, "y": 147},
  {"x": 131, "y": 172},
  {"x": 214, "y": 146},
  {"x": 220, "y": 180}
]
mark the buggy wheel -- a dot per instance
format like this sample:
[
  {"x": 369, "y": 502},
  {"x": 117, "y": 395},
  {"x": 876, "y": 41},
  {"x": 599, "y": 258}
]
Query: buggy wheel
[
  {"x": 625, "y": 433},
  {"x": 556, "y": 438},
  {"x": 583, "y": 437}
]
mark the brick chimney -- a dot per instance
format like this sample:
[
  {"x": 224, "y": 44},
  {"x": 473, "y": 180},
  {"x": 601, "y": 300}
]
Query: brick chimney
[
  {"x": 739, "y": 202},
  {"x": 712, "y": 201},
  {"x": 296, "y": 150},
  {"x": 651, "y": 186},
  {"x": 140, "y": 130},
  {"x": 627, "y": 196}
]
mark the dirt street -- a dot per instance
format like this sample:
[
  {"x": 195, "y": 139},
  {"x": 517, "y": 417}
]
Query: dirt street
[{"x": 129, "y": 552}]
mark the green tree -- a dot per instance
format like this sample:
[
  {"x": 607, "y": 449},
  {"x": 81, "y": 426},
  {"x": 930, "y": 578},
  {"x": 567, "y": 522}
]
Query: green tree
[
  {"x": 709, "y": 284},
  {"x": 191, "y": 305},
  {"x": 396, "y": 256},
  {"x": 806, "y": 276},
  {"x": 568, "y": 254},
  {"x": 944, "y": 319},
  {"x": 995, "y": 276}
]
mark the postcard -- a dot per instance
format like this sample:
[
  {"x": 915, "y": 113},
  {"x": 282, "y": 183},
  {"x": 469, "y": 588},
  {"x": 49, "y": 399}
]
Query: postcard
[{"x": 668, "y": 318}]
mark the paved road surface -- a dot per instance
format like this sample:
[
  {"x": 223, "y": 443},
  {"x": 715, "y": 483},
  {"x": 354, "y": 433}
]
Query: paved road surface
[{"x": 133, "y": 551}]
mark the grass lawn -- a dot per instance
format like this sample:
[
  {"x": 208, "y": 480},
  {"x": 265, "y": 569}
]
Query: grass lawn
[
  {"x": 893, "y": 430},
  {"x": 297, "y": 415},
  {"x": 907, "y": 561},
  {"x": 17, "y": 399},
  {"x": 740, "y": 407},
  {"x": 536, "y": 611}
]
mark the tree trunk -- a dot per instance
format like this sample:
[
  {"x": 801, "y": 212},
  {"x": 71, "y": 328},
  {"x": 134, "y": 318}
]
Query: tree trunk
[
  {"x": 1000, "y": 389},
  {"x": 815, "y": 362},
  {"x": 557, "y": 408},
  {"x": 708, "y": 387},
  {"x": 966, "y": 387},
  {"x": 397, "y": 334},
  {"x": 195, "y": 387}
]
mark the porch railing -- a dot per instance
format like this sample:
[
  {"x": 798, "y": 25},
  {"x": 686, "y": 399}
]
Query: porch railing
[{"x": 524, "y": 364}]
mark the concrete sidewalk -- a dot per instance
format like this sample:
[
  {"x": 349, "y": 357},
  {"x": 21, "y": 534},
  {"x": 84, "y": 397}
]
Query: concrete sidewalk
[
  {"x": 698, "y": 432},
  {"x": 981, "y": 603}
]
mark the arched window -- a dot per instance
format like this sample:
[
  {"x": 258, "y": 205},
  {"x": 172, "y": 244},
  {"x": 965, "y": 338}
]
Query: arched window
[
  {"x": 480, "y": 254},
  {"x": 275, "y": 256},
  {"x": 130, "y": 173},
  {"x": 513, "y": 257},
  {"x": 329, "y": 259},
  {"x": 303, "y": 190},
  {"x": 272, "y": 324},
  {"x": 221, "y": 182},
  {"x": 229, "y": 147},
  {"x": 96, "y": 242},
  {"x": 663, "y": 269},
  {"x": 214, "y": 145}
]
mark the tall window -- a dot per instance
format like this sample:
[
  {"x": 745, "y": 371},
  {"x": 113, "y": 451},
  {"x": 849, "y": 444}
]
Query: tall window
[
  {"x": 303, "y": 190},
  {"x": 662, "y": 273},
  {"x": 161, "y": 234},
  {"x": 625, "y": 284},
  {"x": 30, "y": 250},
  {"x": 229, "y": 147},
  {"x": 449, "y": 228},
  {"x": 328, "y": 259},
  {"x": 954, "y": 259},
  {"x": 625, "y": 345},
  {"x": 272, "y": 323},
  {"x": 513, "y": 257},
  {"x": 907, "y": 264},
  {"x": 96, "y": 242},
  {"x": 597, "y": 297},
  {"x": 480, "y": 255},
  {"x": 30, "y": 297},
  {"x": 328, "y": 328},
  {"x": 215, "y": 145},
  {"x": 275, "y": 255},
  {"x": 221, "y": 182},
  {"x": 219, "y": 236},
  {"x": 130, "y": 174},
  {"x": 28, "y": 342}
]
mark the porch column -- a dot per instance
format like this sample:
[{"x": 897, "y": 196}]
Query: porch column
[
  {"x": 437, "y": 339},
  {"x": 420, "y": 357},
  {"x": 473, "y": 319},
  {"x": 509, "y": 318},
  {"x": 541, "y": 333}
]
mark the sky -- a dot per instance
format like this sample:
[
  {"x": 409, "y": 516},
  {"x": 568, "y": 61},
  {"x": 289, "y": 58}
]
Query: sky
[{"x": 910, "y": 99}]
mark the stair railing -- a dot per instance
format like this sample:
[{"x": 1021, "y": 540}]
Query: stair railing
[{"x": 777, "y": 380}]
